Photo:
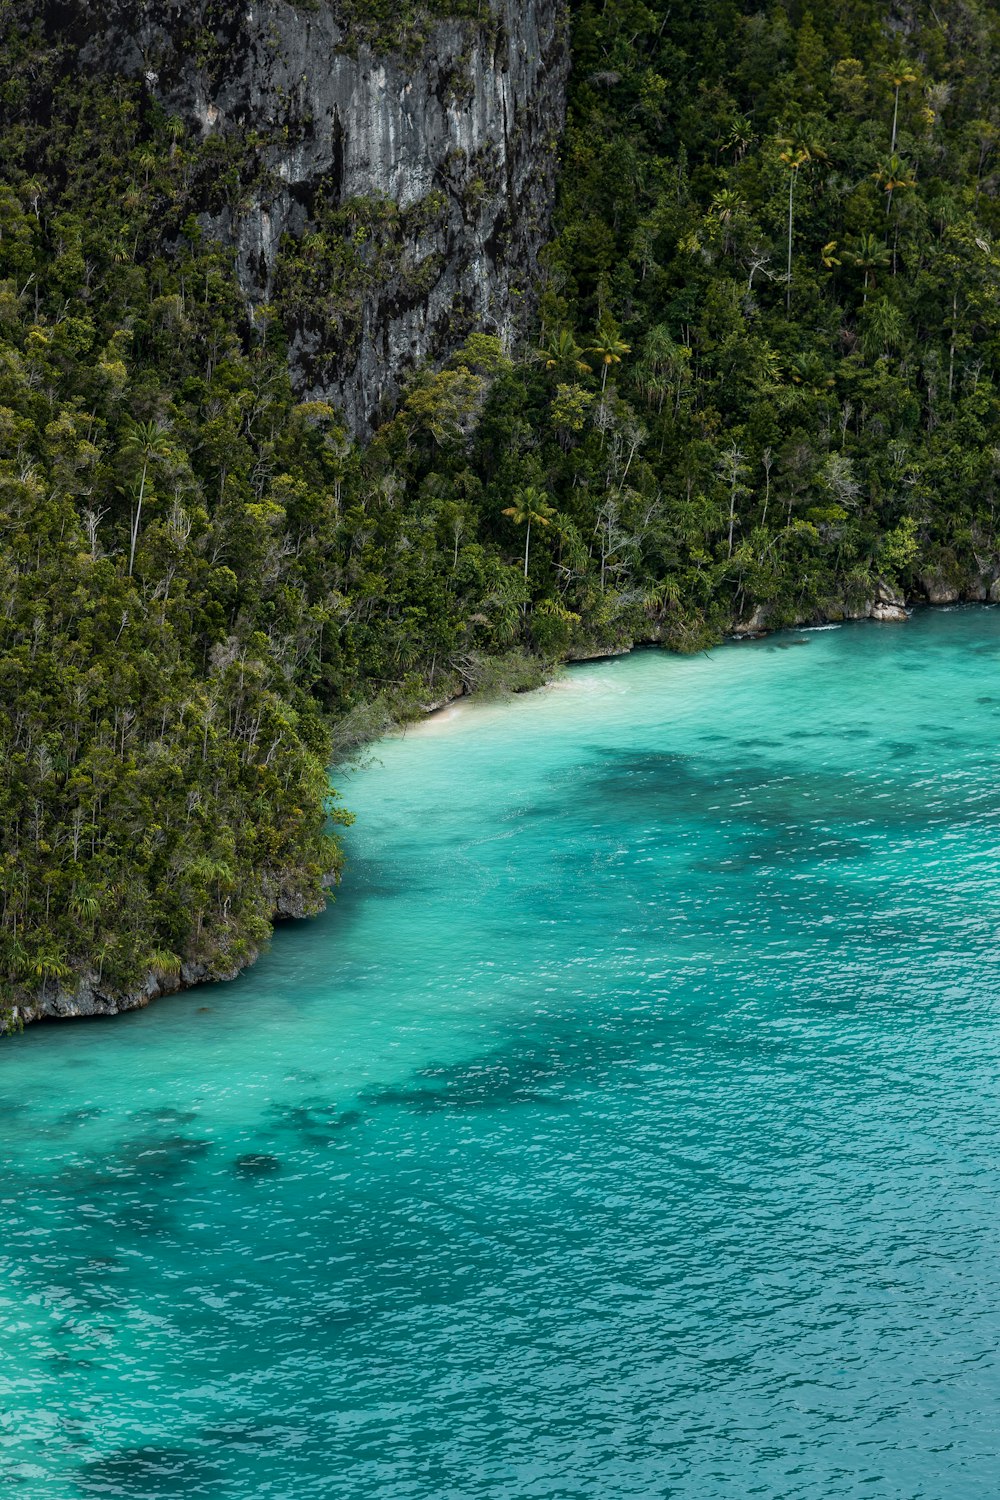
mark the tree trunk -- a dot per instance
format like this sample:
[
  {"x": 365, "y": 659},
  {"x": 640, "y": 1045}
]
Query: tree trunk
[
  {"x": 138, "y": 518},
  {"x": 791, "y": 192}
]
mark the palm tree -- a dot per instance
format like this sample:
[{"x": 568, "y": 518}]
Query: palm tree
[
  {"x": 563, "y": 353},
  {"x": 610, "y": 350},
  {"x": 664, "y": 364},
  {"x": 145, "y": 441},
  {"x": 795, "y": 156},
  {"x": 727, "y": 207},
  {"x": 531, "y": 508},
  {"x": 739, "y": 140},
  {"x": 869, "y": 255},
  {"x": 732, "y": 469},
  {"x": 902, "y": 73},
  {"x": 894, "y": 175}
]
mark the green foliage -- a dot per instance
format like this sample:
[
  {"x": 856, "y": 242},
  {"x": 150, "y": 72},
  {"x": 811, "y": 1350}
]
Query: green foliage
[{"x": 795, "y": 251}]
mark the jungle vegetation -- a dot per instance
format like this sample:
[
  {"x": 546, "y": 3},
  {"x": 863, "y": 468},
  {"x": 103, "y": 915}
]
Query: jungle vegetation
[{"x": 763, "y": 374}]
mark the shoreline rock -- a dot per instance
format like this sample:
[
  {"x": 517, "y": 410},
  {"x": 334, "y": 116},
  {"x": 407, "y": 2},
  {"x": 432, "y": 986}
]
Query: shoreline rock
[
  {"x": 601, "y": 653},
  {"x": 90, "y": 999},
  {"x": 887, "y": 605}
]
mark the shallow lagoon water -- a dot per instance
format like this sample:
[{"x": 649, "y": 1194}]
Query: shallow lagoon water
[{"x": 629, "y": 1127}]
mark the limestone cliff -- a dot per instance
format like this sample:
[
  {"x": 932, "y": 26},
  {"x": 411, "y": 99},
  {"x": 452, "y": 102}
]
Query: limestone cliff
[{"x": 427, "y": 170}]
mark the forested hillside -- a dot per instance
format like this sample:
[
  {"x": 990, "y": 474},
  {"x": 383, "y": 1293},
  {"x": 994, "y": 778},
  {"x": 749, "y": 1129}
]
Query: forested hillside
[{"x": 763, "y": 376}]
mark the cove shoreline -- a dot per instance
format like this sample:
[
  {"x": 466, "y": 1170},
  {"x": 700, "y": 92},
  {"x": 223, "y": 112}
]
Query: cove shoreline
[{"x": 90, "y": 1001}]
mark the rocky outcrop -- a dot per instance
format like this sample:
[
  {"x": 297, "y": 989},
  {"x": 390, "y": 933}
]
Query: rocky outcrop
[
  {"x": 434, "y": 166},
  {"x": 92, "y": 997},
  {"x": 598, "y": 653},
  {"x": 938, "y": 588},
  {"x": 886, "y": 605},
  {"x": 754, "y": 624},
  {"x": 974, "y": 579}
]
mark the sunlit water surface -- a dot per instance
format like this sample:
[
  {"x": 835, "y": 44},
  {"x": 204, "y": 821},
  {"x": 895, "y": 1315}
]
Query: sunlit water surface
[{"x": 629, "y": 1128}]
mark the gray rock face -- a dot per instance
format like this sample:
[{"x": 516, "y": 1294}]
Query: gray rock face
[
  {"x": 460, "y": 135},
  {"x": 888, "y": 606},
  {"x": 755, "y": 625},
  {"x": 889, "y": 614},
  {"x": 939, "y": 589},
  {"x": 92, "y": 997}
]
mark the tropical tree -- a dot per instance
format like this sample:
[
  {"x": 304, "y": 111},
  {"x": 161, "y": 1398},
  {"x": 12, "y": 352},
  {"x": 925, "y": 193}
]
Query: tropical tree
[
  {"x": 563, "y": 355},
  {"x": 902, "y": 73},
  {"x": 610, "y": 351},
  {"x": 893, "y": 177},
  {"x": 531, "y": 508},
  {"x": 664, "y": 365},
  {"x": 733, "y": 470},
  {"x": 727, "y": 208},
  {"x": 146, "y": 443},
  {"x": 868, "y": 256},
  {"x": 795, "y": 156}
]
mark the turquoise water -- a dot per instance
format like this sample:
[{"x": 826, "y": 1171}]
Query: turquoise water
[{"x": 629, "y": 1128}]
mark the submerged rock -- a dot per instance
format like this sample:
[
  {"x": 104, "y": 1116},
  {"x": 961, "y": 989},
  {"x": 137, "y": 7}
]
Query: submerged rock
[{"x": 256, "y": 1165}]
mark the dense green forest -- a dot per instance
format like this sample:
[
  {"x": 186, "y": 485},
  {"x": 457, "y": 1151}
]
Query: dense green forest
[{"x": 763, "y": 374}]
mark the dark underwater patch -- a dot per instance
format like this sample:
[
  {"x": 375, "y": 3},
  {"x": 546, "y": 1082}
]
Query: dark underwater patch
[
  {"x": 256, "y": 1164},
  {"x": 148, "y": 1473},
  {"x": 141, "y": 1217},
  {"x": 148, "y": 1159},
  {"x": 499, "y": 1081},
  {"x": 246, "y": 1437},
  {"x": 160, "y": 1158},
  {"x": 546, "y": 1072},
  {"x": 433, "y": 1101},
  {"x": 637, "y": 776},
  {"x": 166, "y": 1115},
  {"x": 81, "y": 1116},
  {"x": 765, "y": 852},
  {"x": 316, "y": 1123}
]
